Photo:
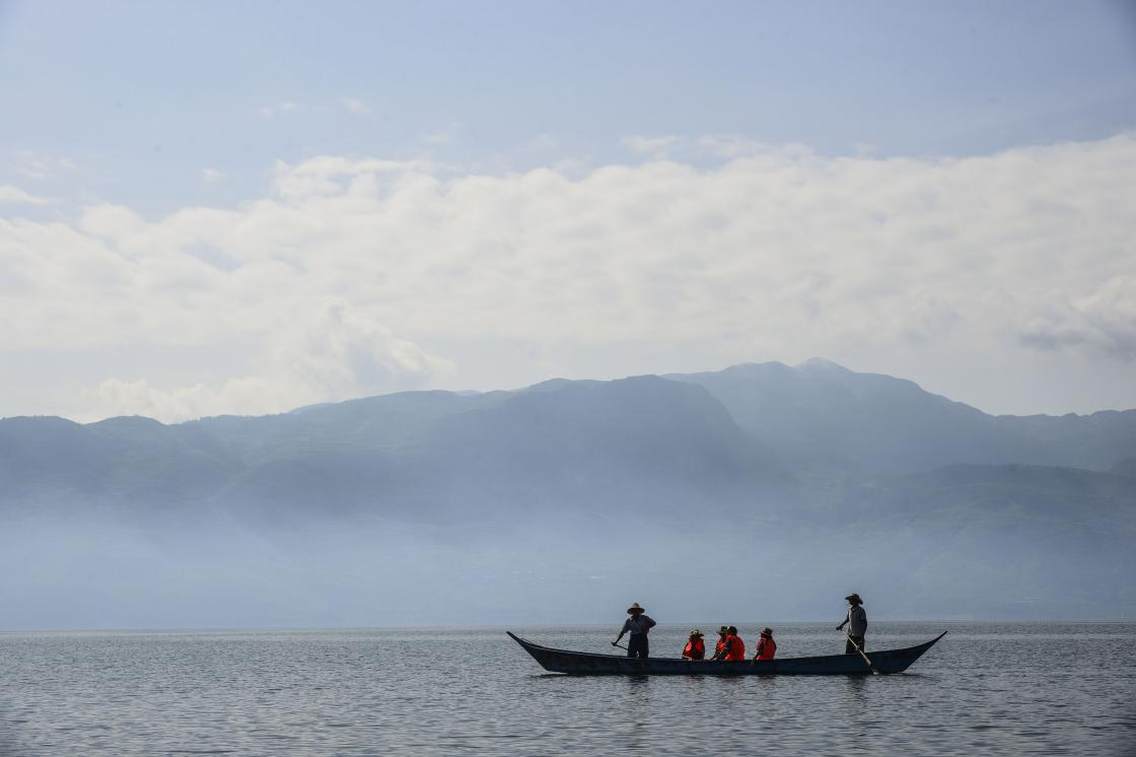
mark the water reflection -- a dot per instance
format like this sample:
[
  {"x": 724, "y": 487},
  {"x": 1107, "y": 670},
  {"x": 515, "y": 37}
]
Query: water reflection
[
  {"x": 857, "y": 689},
  {"x": 639, "y": 712}
]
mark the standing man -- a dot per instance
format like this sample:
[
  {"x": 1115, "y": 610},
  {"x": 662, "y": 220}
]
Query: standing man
[
  {"x": 857, "y": 622},
  {"x": 637, "y": 625}
]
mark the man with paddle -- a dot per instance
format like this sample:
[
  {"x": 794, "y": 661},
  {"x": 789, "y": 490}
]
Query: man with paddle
[
  {"x": 857, "y": 622},
  {"x": 637, "y": 625}
]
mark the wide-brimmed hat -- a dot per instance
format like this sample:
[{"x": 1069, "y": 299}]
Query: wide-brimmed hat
[
  {"x": 696, "y": 632},
  {"x": 854, "y": 597},
  {"x": 767, "y": 632},
  {"x": 724, "y": 630},
  {"x": 634, "y": 608}
]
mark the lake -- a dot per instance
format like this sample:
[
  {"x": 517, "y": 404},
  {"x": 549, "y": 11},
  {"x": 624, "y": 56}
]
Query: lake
[{"x": 987, "y": 688}]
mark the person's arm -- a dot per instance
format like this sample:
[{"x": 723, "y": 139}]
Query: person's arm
[
  {"x": 621, "y": 632},
  {"x": 842, "y": 624},
  {"x": 650, "y": 621}
]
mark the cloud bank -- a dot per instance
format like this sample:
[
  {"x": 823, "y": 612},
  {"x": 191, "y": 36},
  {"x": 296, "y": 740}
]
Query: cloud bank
[
  {"x": 355, "y": 276},
  {"x": 17, "y": 196}
]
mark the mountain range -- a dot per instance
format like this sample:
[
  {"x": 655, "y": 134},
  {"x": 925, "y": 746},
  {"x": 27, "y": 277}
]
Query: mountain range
[{"x": 788, "y": 461}]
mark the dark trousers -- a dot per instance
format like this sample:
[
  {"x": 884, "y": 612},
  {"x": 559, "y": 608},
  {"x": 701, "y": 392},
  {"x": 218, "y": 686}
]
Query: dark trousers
[
  {"x": 849, "y": 649},
  {"x": 637, "y": 645}
]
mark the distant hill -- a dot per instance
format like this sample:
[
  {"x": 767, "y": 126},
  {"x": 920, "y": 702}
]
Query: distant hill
[
  {"x": 823, "y": 418},
  {"x": 757, "y": 432},
  {"x": 584, "y": 445},
  {"x": 804, "y": 476}
]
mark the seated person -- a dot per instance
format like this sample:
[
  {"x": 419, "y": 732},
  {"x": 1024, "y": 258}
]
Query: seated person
[
  {"x": 766, "y": 646},
  {"x": 720, "y": 647},
  {"x": 695, "y": 649},
  {"x": 733, "y": 649}
]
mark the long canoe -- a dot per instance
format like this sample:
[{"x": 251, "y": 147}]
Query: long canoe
[{"x": 586, "y": 663}]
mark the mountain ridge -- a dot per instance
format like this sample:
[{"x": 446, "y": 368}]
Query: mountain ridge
[
  {"x": 816, "y": 416},
  {"x": 811, "y": 363}
]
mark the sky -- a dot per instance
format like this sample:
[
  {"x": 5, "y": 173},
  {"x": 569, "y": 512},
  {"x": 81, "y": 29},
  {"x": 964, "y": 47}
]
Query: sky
[{"x": 242, "y": 208}]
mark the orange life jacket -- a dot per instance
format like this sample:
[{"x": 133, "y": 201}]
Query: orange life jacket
[
  {"x": 694, "y": 649},
  {"x": 766, "y": 648},
  {"x": 719, "y": 647},
  {"x": 735, "y": 648}
]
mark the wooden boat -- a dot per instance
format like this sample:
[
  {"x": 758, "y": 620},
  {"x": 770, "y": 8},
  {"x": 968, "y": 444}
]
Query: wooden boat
[{"x": 586, "y": 663}]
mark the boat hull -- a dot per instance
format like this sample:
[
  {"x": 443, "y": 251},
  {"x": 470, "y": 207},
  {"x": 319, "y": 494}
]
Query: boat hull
[{"x": 585, "y": 663}]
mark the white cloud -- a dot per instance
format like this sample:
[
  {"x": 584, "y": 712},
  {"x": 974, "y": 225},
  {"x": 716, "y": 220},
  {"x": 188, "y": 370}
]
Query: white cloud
[
  {"x": 441, "y": 137},
  {"x": 16, "y": 196},
  {"x": 212, "y": 175},
  {"x": 1104, "y": 319},
  {"x": 277, "y": 109},
  {"x": 732, "y": 145},
  {"x": 355, "y": 105},
  {"x": 889, "y": 264},
  {"x": 654, "y": 147},
  {"x": 331, "y": 354},
  {"x": 541, "y": 143},
  {"x": 39, "y": 166}
]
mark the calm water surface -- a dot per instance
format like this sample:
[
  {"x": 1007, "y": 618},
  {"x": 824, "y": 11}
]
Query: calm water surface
[{"x": 985, "y": 689}]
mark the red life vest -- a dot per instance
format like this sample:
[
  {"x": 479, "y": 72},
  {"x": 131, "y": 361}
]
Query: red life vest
[
  {"x": 735, "y": 648},
  {"x": 694, "y": 649},
  {"x": 766, "y": 648},
  {"x": 719, "y": 648}
]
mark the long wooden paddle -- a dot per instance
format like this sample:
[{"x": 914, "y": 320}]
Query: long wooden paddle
[{"x": 871, "y": 667}]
